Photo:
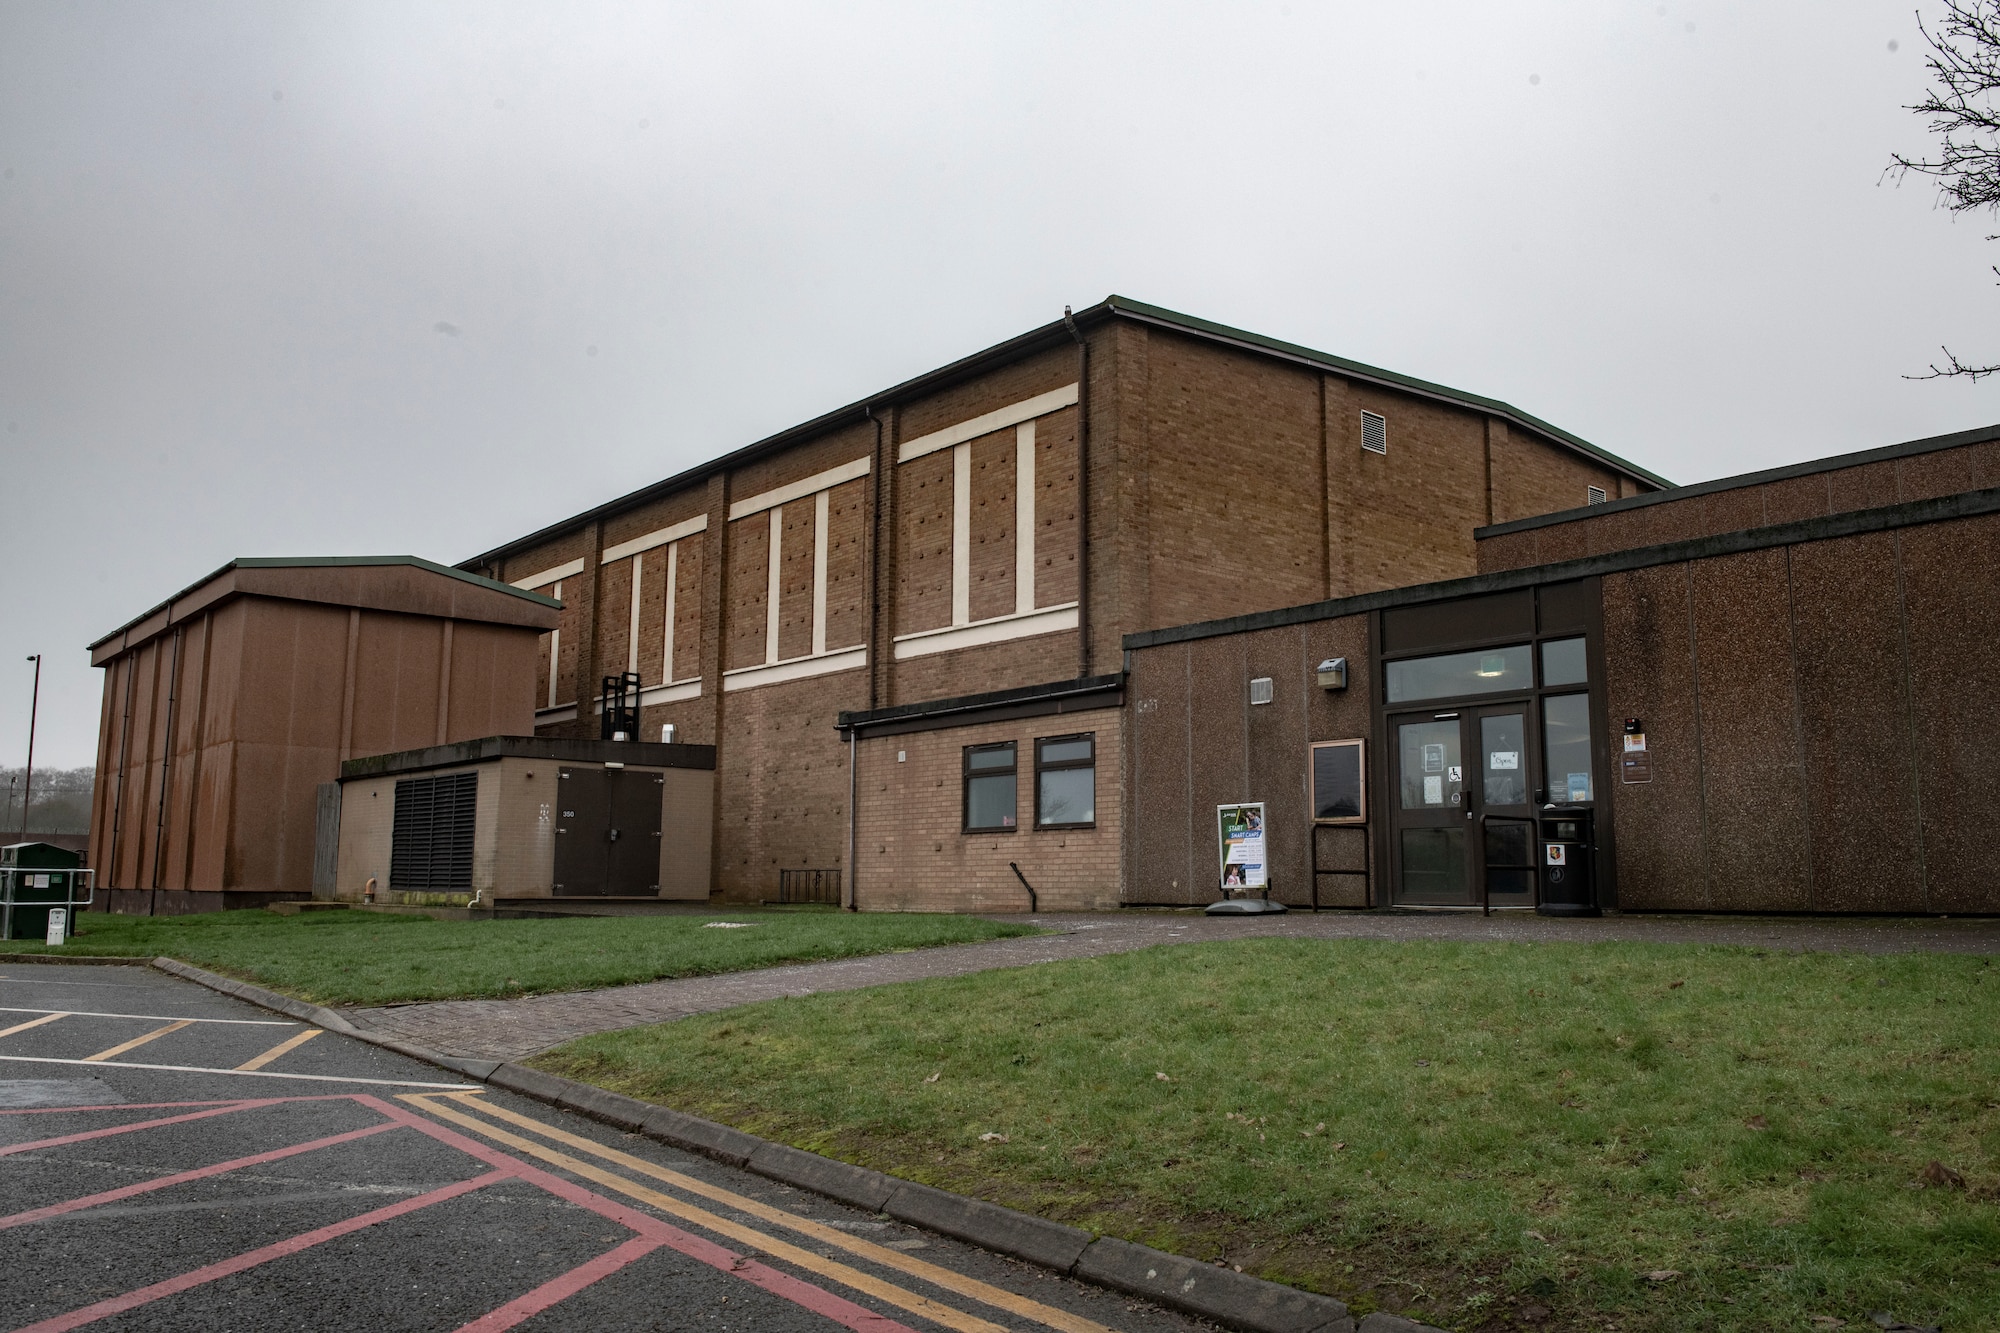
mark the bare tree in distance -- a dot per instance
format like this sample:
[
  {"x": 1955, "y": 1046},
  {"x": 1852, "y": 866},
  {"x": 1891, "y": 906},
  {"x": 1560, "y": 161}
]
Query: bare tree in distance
[{"x": 1965, "y": 62}]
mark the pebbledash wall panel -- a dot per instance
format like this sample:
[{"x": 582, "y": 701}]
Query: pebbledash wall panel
[
  {"x": 227, "y": 707},
  {"x": 1820, "y": 701},
  {"x": 927, "y": 543}
]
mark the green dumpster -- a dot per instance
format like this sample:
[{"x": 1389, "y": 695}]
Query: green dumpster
[{"x": 35, "y": 877}]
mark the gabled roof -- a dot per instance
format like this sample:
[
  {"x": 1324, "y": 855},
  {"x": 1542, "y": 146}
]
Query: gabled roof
[
  {"x": 1055, "y": 333},
  {"x": 341, "y": 580}
]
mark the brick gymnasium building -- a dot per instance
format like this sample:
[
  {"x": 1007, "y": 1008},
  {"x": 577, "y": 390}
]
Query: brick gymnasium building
[{"x": 901, "y": 625}]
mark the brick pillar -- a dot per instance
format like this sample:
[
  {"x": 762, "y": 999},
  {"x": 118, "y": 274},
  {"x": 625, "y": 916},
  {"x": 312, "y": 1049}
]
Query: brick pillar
[
  {"x": 589, "y": 652},
  {"x": 1339, "y": 425}
]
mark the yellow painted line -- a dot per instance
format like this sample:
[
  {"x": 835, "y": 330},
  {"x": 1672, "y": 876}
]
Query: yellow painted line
[
  {"x": 998, "y": 1297},
  {"x": 757, "y": 1240},
  {"x": 31, "y": 1023},
  {"x": 125, "y": 1046},
  {"x": 288, "y": 1044}
]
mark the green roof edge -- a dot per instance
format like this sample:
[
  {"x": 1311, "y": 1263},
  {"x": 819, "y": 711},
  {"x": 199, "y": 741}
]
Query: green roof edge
[{"x": 1195, "y": 323}]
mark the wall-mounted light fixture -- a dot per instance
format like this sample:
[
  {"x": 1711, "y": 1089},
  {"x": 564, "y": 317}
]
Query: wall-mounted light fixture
[{"x": 1333, "y": 674}]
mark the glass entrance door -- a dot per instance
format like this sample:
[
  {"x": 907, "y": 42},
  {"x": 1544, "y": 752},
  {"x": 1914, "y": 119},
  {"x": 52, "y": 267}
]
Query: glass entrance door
[
  {"x": 1503, "y": 806},
  {"x": 1463, "y": 824},
  {"x": 1432, "y": 822}
]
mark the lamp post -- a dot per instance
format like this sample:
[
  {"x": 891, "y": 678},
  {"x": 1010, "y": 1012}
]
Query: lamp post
[{"x": 28, "y": 780}]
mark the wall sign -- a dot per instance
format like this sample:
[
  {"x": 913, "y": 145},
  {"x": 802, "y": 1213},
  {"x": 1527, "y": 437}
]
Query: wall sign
[
  {"x": 1239, "y": 833},
  {"x": 1636, "y": 764}
]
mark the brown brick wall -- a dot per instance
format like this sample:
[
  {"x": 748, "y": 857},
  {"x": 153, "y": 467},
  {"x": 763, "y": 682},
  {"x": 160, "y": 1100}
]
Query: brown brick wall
[
  {"x": 923, "y": 543},
  {"x": 1836, "y": 490},
  {"x": 743, "y": 622},
  {"x": 1035, "y": 660},
  {"x": 781, "y": 782},
  {"x": 846, "y": 565},
  {"x": 992, "y": 535},
  {"x": 994, "y": 390},
  {"x": 795, "y": 579},
  {"x": 912, "y": 856}
]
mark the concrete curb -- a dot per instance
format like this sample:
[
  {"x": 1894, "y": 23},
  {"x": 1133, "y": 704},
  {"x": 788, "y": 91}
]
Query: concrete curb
[
  {"x": 83, "y": 959},
  {"x": 1220, "y": 1294}
]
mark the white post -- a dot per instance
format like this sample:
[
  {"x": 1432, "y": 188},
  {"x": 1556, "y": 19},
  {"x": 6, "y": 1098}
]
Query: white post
[
  {"x": 1024, "y": 518},
  {"x": 773, "y": 585},
  {"x": 961, "y": 534},
  {"x": 822, "y": 504}
]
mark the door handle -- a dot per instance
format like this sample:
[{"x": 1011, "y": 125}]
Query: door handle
[{"x": 614, "y": 835}]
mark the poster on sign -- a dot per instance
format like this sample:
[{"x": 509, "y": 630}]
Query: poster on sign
[{"x": 1240, "y": 842}]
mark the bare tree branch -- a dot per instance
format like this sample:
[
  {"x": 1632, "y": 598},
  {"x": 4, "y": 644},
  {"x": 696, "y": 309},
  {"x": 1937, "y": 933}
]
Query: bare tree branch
[{"x": 1961, "y": 111}]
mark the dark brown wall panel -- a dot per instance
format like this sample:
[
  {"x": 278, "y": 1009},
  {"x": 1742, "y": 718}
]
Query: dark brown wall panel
[
  {"x": 1276, "y": 734},
  {"x": 1860, "y": 776},
  {"x": 1754, "y": 793},
  {"x": 1650, "y": 675},
  {"x": 1160, "y": 865},
  {"x": 1218, "y": 755},
  {"x": 1951, "y": 583}
]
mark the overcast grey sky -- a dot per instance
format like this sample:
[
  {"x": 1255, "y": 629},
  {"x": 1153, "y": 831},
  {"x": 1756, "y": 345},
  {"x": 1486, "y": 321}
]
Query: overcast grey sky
[{"x": 331, "y": 278}]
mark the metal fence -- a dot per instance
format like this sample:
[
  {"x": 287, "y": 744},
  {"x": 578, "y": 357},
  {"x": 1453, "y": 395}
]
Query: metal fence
[{"x": 809, "y": 886}]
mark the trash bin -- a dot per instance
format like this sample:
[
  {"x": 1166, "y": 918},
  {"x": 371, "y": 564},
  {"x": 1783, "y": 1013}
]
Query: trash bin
[
  {"x": 1569, "y": 851},
  {"x": 34, "y": 877}
]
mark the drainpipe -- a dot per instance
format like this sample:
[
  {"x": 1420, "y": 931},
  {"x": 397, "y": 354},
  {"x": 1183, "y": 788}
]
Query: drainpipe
[
  {"x": 853, "y": 901},
  {"x": 1082, "y": 496}
]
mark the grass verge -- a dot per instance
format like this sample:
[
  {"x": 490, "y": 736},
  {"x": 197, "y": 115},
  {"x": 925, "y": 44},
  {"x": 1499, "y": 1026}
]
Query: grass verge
[
  {"x": 377, "y": 958},
  {"x": 1492, "y": 1136}
]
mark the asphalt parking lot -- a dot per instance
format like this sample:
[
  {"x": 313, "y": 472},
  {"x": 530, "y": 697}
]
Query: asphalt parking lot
[{"x": 173, "y": 1159}]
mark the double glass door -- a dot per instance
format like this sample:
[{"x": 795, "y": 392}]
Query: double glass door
[{"x": 1465, "y": 786}]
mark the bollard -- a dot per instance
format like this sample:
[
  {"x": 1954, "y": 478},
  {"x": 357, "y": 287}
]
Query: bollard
[{"x": 58, "y": 925}]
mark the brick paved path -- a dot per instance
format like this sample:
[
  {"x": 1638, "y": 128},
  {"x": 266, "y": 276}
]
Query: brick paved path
[{"x": 508, "y": 1029}]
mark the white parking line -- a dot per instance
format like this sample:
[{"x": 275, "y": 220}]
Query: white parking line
[
  {"x": 157, "y": 1018},
  {"x": 240, "y": 1073}
]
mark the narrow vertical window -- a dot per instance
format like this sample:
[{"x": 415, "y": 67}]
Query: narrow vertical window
[
  {"x": 990, "y": 789},
  {"x": 1066, "y": 781}
]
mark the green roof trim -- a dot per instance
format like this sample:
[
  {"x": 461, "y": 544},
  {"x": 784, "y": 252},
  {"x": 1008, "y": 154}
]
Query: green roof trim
[{"x": 1360, "y": 370}]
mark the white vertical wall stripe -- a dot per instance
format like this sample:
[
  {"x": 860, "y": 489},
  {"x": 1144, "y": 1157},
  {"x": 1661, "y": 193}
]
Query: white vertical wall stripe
[
  {"x": 773, "y": 585},
  {"x": 961, "y": 534},
  {"x": 822, "y": 503},
  {"x": 1024, "y": 518},
  {"x": 555, "y": 648}
]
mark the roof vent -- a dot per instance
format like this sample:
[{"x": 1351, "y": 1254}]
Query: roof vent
[
  {"x": 1261, "y": 691},
  {"x": 1374, "y": 433},
  {"x": 1594, "y": 496}
]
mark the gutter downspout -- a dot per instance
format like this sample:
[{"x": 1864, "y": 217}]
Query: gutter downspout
[{"x": 1082, "y": 496}]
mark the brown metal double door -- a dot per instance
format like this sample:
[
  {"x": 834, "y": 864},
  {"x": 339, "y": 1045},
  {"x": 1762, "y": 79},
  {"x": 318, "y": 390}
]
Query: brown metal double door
[
  {"x": 1463, "y": 823},
  {"x": 608, "y": 833}
]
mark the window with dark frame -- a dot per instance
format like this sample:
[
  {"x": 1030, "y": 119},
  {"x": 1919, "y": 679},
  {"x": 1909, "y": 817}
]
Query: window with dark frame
[
  {"x": 990, "y": 788},
  {"x": 1066, "y": 781}
]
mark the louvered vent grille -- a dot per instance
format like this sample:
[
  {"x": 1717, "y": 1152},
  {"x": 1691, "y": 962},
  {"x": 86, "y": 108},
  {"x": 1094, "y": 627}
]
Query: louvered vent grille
[
  {"x": 1595, "y": 495},
  {"x": 430, "y": 848},
  {"x": 1260, "y": 690},
  {"x": 1374, "y": 433}
]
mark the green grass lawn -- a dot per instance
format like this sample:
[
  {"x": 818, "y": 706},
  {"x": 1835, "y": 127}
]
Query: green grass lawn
[
  {"x": 377, "y": 958},
  {"x": 1490, "y": 1136}
]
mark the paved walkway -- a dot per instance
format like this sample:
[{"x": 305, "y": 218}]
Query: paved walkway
[{"x": 509, "y": 1029}]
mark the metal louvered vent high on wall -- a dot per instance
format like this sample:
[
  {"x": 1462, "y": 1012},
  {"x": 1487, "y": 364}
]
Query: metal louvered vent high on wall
[
  {"x": 430, "y": 848},
  {"x": 1374, "y": 433},
  {"x": 1594, "y": 495}
]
